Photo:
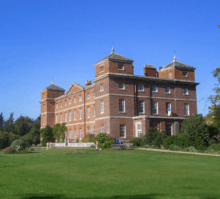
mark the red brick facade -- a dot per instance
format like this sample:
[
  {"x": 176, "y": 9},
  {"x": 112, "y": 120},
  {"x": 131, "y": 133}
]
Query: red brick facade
[{"x": 120, "y": 103}]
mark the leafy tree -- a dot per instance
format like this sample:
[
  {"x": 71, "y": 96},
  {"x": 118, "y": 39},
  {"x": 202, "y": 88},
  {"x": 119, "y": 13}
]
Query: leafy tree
[
  {"x": 1, "y": 121},
  {"x": 4, "y": 140},
  {"x": 196, "y": 130},
  {"x": 59, "y": 132},
  {"x": 46, "y": 135},
  {"x": 104, "y": 140},
  {"x": 35, "y": 131},
  {"x": 23, "y": 125},
  {"x": 9, "y": 124}
]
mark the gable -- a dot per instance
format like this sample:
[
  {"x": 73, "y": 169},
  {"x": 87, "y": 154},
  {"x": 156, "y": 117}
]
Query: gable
[{"x": 74, "y": 88}]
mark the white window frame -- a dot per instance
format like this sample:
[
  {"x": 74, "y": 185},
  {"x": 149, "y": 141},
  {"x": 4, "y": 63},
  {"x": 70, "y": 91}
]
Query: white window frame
[
  {"x": 139, "y": 106},
  {"x": 166, "y": 90},
  {"x": 88, "y": 131},
  {"x": 156, "y": 108},
  {"x": 80, "y": 113},
  {"x": 101, "y": 106},
  {"x": 169, "y": 106},
  {"x": 101, "y": 87},
  {"x": 124, "y": 130},
  {"x": 74, "y": 99},
  {"x": 156, "y": 89},
  {"x": 43, "y": 120},
  {"x": 61, "y": 118},
  {"x": 185, "y": 93},
  {"x": 80, "y": 98},
  {"x": 102, "y": 128},
  {"x": 184, "y": 75},
  {"x": 44, "y": 95},
  {"x": 185, "y": 109},
  {"x": 56, "y": 105},
  {"x": 56, "y": 118},
  {"x": 75, "y": 134},
  {"x": 88, "y": 112},
  {"x": 74, "y": 115},
  {"x": 101, "y": 69},
  {"x": 138, "y": 129},
  {"x": 65, "y": 117},
  {"x": 88, "y": 96},
  {"x": 70, "y": 134},
  {"x": 141, "y": 87},
  {"x": 70, "y": 101},
  {"x": 80, "y": 134},
  {"x": 121, "y": 86},
  {"x": 122, "y": 67},
  {"x": 121, "y": 106},
  {"x": 69, "y": 116}
]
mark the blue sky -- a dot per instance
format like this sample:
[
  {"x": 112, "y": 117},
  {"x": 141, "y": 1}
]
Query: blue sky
[{"x": 65, "y": 38}]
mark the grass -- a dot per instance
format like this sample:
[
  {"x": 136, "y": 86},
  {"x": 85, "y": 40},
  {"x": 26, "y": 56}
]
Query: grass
[{"x": 87, "y": 173}]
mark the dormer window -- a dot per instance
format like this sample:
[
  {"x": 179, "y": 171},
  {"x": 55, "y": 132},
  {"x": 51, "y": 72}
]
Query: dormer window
[
  {"x": 184, "y": 74},
  {"x": 101, "y": 69},
  {"x": 120, "y": 67}
]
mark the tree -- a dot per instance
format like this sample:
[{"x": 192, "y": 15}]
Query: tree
[
  {"x": 35, "y": 131},
  {"x": 23, "y": 125},
  {"x": 4, "y": 140},
  {"x": 46, "y": 135},
  {"x": 9, "y": 124},
  {"x": 196, "y": 130},
  {"x": 59, "y": 132},
  {"x": 1, "y": 121}
]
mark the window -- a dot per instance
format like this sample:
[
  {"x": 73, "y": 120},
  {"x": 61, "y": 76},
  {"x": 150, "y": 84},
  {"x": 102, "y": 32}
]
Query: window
[
  {"x": 122, "y": 131},
  {"x": 169, "y": 129},
  {"x": 80, "y": 134},
  {"x": 57, "y": 105},
  {"x": 168, "y": 108},
  {"x": 75, "y": 134},
  {"x": 56, "y": 118},
  {"x": 43, "y": 107},
  {"x": 156, "y": 125},
  {"x": 88, "y": 131},
  {"x": 94, "y": 94},
  {"x": 65, "y": 117},
  {"x": 69, "y": 101},
  {"x": 69, "y": 116},
  {"x": 121, "y": 86},
  {"x": 88, "y": 112},
  {"x": 120, "y": 67},
  {"x": 94, "y": 110},
  {"x": 186, "y": 109},
  {"x": 80, "y": 114},
  {"x": 61, "y": 118},
  {"x": 61, "y": 104},
  {"x": 102, "y": 106},
  {"x": 185, "y": 91},
  {"x": 138, "y": 129},
  {"x": 69, "y": 134},
  {"x": 102, "y": 69},
  {"x": 44, "y": 95},
  {"x": 184, "y": 74},
  {"x": 80, "y": 98},
  {"x": 65, "y": 103},
  {"x": 140, "y": 87},
  {"x": 154, "y": 89},
  {"x": 167, "y": 90},
  {"x": 155, "y": 108},
  {"x": 141, "y": 106},
  {"x": 121, "y": 105},
  {"x": 88, "y": 95},
  {"x": 102, "y": 128},
  {"x": 74, "y": 114},
  {"x": 101, "y": 87},
  {"x": 43, "y": 120},
  {"x": 74, "y": 100}
]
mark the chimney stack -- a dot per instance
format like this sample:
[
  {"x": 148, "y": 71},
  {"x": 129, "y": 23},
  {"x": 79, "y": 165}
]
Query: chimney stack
[{"x": 150, "y": 71}]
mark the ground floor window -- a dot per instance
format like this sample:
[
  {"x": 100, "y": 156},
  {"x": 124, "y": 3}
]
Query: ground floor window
[
  {"x": 80, "y": 134},
  {"x": 169, "y": 129},
  {"x": 75, "y": 134},
  {"x": 102, "y": 128},
  {"x": 122, "y": 131}
]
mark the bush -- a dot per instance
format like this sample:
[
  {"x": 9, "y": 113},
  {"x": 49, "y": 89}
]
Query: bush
[
  {"x": 4, "y": 140},
  {"x": 215, "y": 147},
  {"x": 27, "y": 140},
  {"x": 136, "y": 141},
  {"x": 8, "y": 149},
  {"x": 153, "y": 137},
  {"x": 180, "y": 141},
  {"x": 18, "y": 145},
  {"x": 89, "y": 138},
  {"x": 191, "y": 149},
  {"x": 104, "y": 140}
]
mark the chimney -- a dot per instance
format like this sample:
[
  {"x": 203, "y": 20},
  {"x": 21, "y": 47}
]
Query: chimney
[
  {"x": 150, "y": 71},
  {"x": 88, "y": 82}
]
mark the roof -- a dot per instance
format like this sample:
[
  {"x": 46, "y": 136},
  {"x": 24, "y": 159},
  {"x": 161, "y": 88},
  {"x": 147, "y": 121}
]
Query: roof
[
  {"x": 176, "y": 64},
  {"x": 115, "y": 57},
  {"x": 74, "y": 84},
  {"x": 54, "y": 87}
]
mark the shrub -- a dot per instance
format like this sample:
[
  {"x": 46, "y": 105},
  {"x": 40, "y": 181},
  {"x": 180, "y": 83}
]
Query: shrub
[
  {"x": 104, "y": 140},
  {"x": 136, "y": 141},
  {"x": 27, "y": 139},
  {"x": 215, "y": 147},
  {"x": 180, "y": 141},
  {"x": 18, "y": 145},
  {"x": 89, "y": 138},
  {"x": 4, "y": 140},
  {"x": 153, "y": 137},
  {"x": 191, "y": 149},
  {"x": 46, "y": 135},
  {"x": 8, "y": 149}
]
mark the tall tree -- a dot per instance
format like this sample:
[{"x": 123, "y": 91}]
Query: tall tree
[
  {"x": 46, "y": 135},
  {"x": 9, "y": 124},
  {"x": 1, "y": 121},
  {"x": 23, "y": 125}
]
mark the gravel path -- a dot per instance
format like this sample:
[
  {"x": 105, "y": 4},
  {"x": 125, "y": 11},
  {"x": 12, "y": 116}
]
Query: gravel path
[{"x": 168, "y": 151}]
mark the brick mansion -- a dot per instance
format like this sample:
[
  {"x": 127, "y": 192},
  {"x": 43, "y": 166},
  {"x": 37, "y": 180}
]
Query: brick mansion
[{"x": 122, "y": 104}]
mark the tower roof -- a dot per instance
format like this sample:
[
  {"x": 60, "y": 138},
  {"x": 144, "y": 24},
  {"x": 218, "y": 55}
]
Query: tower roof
[
  {"x": 54, "y": 87},
  {"x": 115, "y": 58}
]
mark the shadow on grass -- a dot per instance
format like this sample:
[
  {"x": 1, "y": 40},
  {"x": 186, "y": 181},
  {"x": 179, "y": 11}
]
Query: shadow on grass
[{"x": 60, "y": 196}]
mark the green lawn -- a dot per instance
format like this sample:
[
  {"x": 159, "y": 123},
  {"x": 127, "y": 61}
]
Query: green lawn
[{"x": 108, "y": 174}]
